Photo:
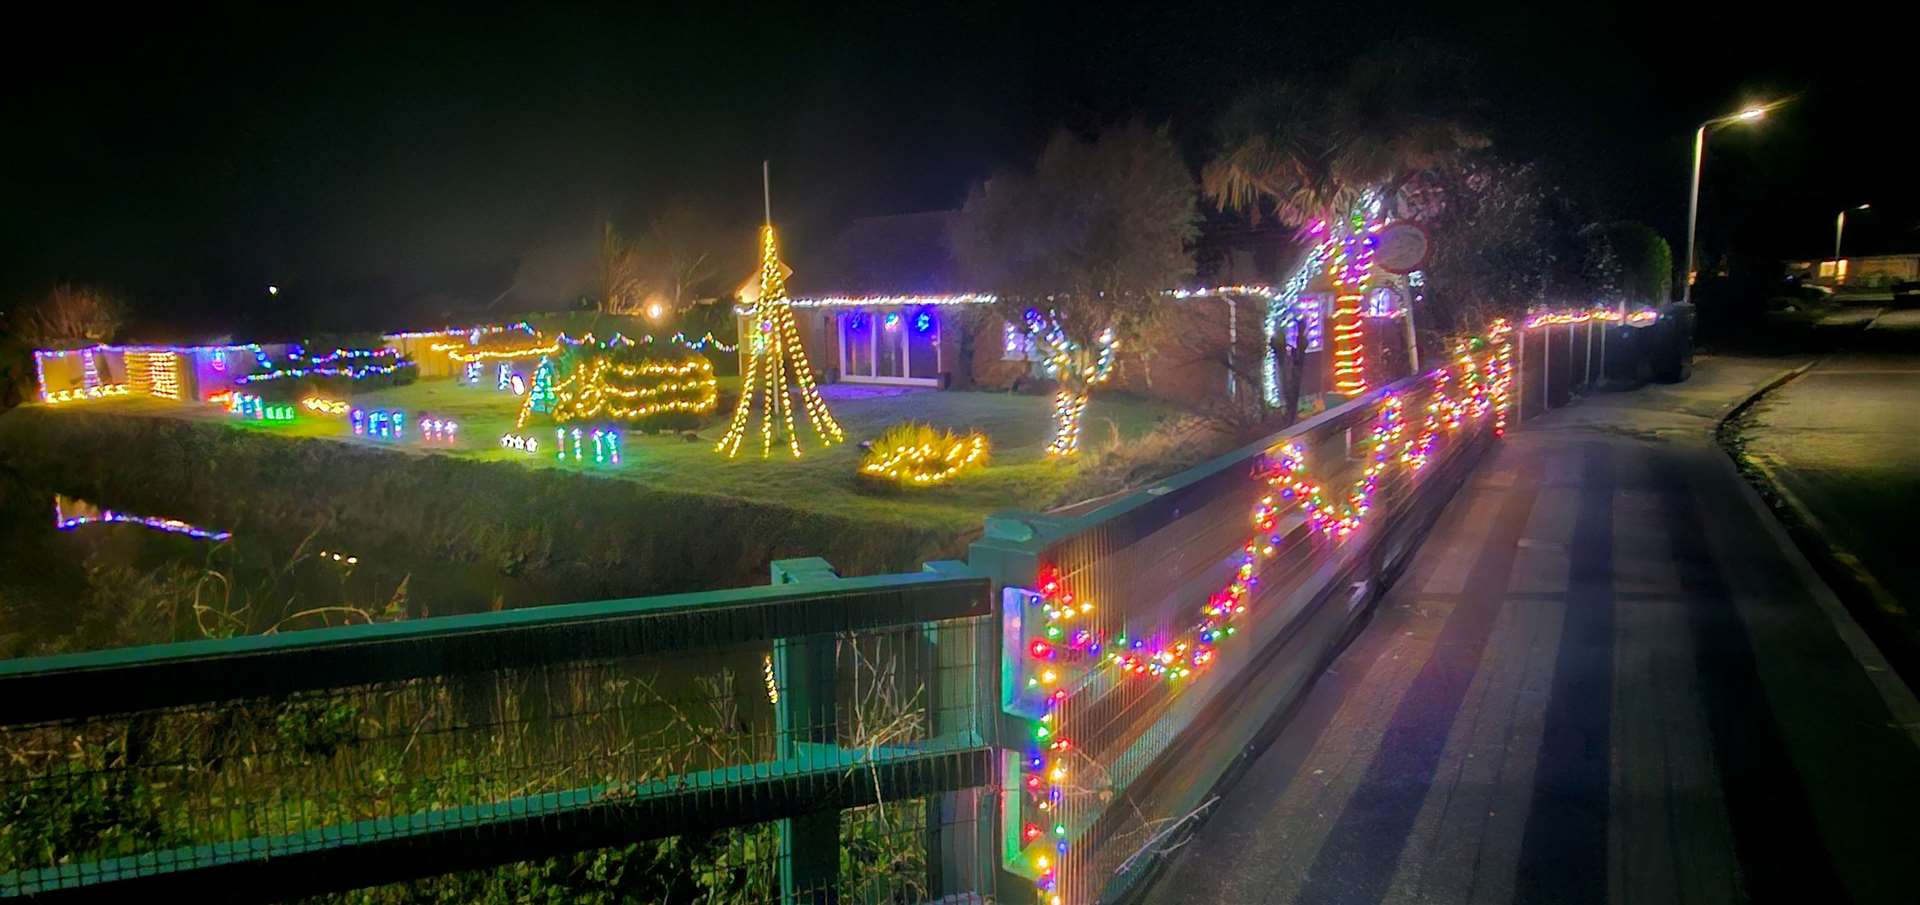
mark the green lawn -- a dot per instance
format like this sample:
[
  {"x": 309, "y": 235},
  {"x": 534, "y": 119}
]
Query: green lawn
[{"x": 1019, "y": 475}]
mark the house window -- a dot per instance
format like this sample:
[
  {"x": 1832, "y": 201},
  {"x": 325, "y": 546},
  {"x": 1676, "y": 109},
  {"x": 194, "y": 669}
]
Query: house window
[
  {"x": 890, "y": 346},
  {"x": 1020, "y": 345}
]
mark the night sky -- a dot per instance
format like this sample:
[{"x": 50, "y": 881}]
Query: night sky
[{"x": 416, "y": 160}]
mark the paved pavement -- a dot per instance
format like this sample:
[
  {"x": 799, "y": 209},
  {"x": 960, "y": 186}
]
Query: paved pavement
[
  {"x": 1607, "y": 677},
  {"x": 1850, "y": 317},
  {"x": 1843, "y": 440},
  {"x": 1907, "y": 319}
]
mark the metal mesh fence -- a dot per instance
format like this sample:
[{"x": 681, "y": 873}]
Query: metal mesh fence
[
  {"x": 404, "y": 778},
  {"x": 884, "y": 857}
]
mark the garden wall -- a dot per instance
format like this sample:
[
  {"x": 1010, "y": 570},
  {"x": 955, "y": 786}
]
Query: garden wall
[{"x": 586, "y": 533}]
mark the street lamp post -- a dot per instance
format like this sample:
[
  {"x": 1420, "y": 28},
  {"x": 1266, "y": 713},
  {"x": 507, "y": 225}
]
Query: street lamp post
[
  {"x": 1747, "y": 115},
  {"x": 1839, "y": 227}
]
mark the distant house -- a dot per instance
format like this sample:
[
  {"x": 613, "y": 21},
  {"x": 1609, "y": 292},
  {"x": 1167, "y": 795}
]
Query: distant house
[
  {"x": 1872, "y": 271},
  {"x": 881, "y": 304}
]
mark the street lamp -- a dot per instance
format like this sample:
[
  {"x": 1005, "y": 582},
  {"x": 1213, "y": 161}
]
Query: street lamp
[
  {"x": 1753, "y": 113},
  {"x": 1840, "y": 226}
]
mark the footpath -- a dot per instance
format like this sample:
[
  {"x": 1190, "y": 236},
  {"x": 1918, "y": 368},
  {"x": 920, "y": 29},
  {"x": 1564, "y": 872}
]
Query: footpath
[{"x": 1608, "y": 676}]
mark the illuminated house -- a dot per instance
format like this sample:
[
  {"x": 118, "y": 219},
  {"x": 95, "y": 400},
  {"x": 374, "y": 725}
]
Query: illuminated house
[
  {"x": 878, "y": 305},
  {"x": 1871, "y": 271},
  {"x": 450, "y": 352},
  {"x": 882, "y": 303},
  {"x": 167, "y": 372}
]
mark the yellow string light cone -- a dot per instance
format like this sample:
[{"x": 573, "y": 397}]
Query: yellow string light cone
[{"x": 775, "y": 357}]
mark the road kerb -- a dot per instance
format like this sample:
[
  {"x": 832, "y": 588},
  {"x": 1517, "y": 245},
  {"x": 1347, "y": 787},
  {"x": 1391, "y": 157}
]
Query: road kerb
[{"x": 1894, "y": 691}]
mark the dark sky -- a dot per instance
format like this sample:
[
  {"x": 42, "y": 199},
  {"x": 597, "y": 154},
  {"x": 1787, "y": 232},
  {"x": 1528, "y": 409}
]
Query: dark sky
[{"x": 398, "y": 155}]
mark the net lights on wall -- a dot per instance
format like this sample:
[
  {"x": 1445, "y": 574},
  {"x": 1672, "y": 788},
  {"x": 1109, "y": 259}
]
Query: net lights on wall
[{"x": 162, "y": 372}]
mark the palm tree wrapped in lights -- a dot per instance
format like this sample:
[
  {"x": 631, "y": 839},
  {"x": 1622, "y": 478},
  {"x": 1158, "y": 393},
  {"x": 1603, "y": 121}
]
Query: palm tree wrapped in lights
[
  {"x": 774, "y": 358},
  {"x": 1330, "y": 159}
]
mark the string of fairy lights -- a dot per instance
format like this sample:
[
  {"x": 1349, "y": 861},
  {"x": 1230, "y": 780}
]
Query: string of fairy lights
[
  {"x": 1474, "y": 390},
  {"x": 64, "y": 521},
  {"x": 921, "y": 456},
  {"x": 1352, "y": 269},
  {"x": 603, "y": 387},
  {"x": 1077, "y": 366},
  {"x": 1640, "y": 318}
]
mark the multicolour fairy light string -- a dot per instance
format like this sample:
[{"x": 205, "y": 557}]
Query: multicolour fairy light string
[
  {"x": 1067, "y": 648},
  {"x": 1351, "y": 270},
  {"x": 1639, "y": 318},
  {"x": 1061, "y": 358},
  {"x": 353, "y": 364},
  {"x": 253, "y": 408}
]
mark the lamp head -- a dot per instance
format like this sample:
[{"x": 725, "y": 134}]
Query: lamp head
[{"x": 1751, "y": 113}]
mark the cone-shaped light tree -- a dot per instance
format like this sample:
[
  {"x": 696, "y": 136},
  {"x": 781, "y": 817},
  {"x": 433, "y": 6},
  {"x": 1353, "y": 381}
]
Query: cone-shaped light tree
[{"x": 777, "y": 368}]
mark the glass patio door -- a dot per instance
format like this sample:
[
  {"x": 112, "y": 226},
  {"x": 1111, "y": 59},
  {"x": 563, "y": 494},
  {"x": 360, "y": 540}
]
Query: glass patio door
[{"x": 888, "y": 347}]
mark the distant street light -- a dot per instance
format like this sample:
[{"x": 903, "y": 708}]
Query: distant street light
[
  {"x": 273, "y": 290},
  {"x": 1750, "y": 114},
  {"x": 1840, "y": 226}
]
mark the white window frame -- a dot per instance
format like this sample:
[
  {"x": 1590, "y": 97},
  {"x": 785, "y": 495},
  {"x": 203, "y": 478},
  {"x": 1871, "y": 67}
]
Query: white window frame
[{"x": 876, "y": 321}]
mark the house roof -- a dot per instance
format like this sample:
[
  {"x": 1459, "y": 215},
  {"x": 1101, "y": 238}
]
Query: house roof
[{"x": 899, "y": 254}]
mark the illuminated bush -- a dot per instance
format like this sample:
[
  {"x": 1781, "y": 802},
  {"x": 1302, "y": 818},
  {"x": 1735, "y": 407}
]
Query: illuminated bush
[{"x": 921, "y": 455}]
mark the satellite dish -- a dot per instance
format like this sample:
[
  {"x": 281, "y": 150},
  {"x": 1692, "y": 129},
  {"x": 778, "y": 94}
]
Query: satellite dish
[{"x": 1401, "y": 247}]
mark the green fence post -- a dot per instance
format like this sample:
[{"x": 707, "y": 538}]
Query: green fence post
[
  {"x": 963, "y": 694},
  {"x": 805, "y": 719},
  {"x": 1009, "y": 552}
]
